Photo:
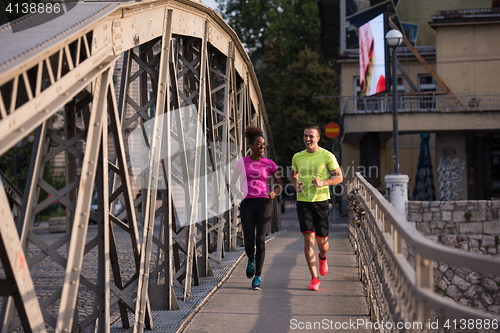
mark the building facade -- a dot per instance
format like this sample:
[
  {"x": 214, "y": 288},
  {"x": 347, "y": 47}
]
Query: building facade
[{"x": 448, "y": 89}]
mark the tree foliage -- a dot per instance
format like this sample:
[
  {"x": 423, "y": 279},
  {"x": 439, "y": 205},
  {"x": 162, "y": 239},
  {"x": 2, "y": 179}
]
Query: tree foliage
[
  {"x": 282, "y": 39},
  {"x": 248, "y": 18},
  {"x": 307, "y": 79},
  {"x": 8, "y": 163},
  {"x": 8, "y": 167}
]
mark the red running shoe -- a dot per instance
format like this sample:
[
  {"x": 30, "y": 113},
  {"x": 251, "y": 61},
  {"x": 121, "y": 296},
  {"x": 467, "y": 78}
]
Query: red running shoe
[
  {"x": 314, "y": 284},
  {"x": 323, "y": 266}
]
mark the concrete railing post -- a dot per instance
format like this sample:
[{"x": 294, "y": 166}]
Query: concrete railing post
[
  {"x": 424, "y": 279},
  {"x": 398, "y": 188}
]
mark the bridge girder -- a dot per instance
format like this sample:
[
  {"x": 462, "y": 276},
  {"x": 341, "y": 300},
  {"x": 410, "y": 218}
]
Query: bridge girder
[{"x": 174, "y": 55}]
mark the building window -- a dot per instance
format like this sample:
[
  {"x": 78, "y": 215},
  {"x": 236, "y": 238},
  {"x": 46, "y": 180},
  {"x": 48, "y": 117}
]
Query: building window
[
  {"x": 357, "y": 87},
  {"x": 401, "y": 84},
  {"x": 360, "y": 105},
  {"x": 426, "y": 82},
  {"x": 493, "y": 191},
  {"x": 401, "y": 89}
]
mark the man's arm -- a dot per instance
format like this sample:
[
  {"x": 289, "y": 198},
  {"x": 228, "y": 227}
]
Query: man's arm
[
  {"x": 337, "y": 178},
  {"x": 294, "y": 178}
]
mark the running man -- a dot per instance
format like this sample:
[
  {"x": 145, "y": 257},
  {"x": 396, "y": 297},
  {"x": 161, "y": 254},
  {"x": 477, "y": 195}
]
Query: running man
[{"x": 311, "y": 175}]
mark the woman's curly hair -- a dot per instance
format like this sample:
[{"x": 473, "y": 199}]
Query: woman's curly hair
[{"x": 252, "y": 132}]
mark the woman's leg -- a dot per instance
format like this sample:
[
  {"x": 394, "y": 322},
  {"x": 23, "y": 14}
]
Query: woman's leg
[
  {"x": 248, "y": 220},
  {"x": 263, "y": 220}
]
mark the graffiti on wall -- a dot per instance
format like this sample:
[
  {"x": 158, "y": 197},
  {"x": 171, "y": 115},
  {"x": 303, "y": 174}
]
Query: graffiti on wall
[{"x": 450, "y": 174}]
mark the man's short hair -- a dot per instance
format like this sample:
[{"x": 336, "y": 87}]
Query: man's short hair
[{"x": 313, "y": 126}]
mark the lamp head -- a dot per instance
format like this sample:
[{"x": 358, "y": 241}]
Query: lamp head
[{"x": 394, "y": 38}]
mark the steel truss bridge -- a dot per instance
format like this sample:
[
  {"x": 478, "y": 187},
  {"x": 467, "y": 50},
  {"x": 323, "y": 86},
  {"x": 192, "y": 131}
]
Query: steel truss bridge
[{"x": 78, "y": 86}]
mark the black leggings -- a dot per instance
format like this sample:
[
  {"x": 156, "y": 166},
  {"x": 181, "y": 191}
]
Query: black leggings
[{"x": 255, "y": 212}]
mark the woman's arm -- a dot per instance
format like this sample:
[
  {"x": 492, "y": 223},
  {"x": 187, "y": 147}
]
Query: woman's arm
[
  {"x": 278, "y": 187},
  {"x": 234, "y": 178}
]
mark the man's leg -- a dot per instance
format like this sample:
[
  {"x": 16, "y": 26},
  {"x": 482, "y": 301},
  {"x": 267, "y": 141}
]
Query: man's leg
[
  {"x": 306, "y": 222},
  {"x": 321, "y": 220},
  {"x": 321, "y": 225},
  {"x": 323, "y": 246},
  {"x": 309, "y": 252}
]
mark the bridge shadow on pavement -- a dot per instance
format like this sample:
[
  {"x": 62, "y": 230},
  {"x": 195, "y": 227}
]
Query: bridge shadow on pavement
[{"x": 285, "y": 304}]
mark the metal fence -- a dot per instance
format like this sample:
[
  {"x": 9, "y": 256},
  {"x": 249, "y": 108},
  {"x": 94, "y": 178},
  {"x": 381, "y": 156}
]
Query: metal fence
[{"x": 425, "y": 103}]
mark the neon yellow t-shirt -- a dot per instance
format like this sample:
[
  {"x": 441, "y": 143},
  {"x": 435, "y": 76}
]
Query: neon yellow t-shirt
[{"x": 319, "y": 165}]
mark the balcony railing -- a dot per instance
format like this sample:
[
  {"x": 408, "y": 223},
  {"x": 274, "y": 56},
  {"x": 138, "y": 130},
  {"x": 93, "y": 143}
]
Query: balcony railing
[{"x": 425, "y": 103}]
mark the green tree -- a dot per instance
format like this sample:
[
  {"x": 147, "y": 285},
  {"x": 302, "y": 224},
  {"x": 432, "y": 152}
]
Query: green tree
[
  {"x": 248, "y": 18},
  {"x": 298, "y": 104},
  {"x": 8, "y": 163},
  {"x": 275, "y": 32},
  {"x": 8, "y": 166}
]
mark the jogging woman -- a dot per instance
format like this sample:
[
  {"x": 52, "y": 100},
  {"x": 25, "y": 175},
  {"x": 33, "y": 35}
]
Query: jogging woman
[{"x": 255, "y": 209}]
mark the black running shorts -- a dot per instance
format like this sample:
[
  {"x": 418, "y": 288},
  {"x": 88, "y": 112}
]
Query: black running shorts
[{"x": 313, "y": 217}]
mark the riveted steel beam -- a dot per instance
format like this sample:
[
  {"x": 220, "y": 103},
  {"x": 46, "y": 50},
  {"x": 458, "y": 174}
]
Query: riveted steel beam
[
  {"x": 18, "y": 283},
  {"x": 156, "y": 141},
  {"x": 82, "y": 209}
]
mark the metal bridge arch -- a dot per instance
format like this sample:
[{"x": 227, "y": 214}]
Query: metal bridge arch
[{"x": 104, "y": 69}]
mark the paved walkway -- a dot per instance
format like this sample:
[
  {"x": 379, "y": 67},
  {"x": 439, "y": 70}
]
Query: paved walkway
[{"x": 285, "y": 304}]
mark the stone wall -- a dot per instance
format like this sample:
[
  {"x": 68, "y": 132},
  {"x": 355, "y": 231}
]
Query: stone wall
[
  {"x": 455, "y": 217},
  {"x": 471, "y": 226}
]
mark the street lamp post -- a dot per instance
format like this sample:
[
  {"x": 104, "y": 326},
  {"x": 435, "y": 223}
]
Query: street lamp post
[
  {"x": 394, "y": 38},
  {"x": 396, "y": 182}
]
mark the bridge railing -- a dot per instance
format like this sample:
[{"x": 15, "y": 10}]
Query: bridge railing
[{"x": 398, "y": 292}]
